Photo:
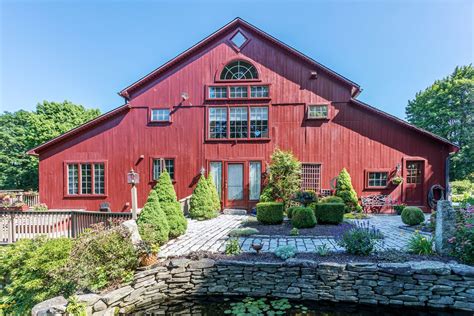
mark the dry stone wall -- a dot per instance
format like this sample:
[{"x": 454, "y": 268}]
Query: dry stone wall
[{"x": 426, "y": 283}]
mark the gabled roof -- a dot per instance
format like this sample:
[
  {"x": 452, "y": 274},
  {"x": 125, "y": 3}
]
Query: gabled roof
[
  {"x": 80, "y": 128},
  {"x": 452, "y": 147},
  {"x": 237, "y": 22}
]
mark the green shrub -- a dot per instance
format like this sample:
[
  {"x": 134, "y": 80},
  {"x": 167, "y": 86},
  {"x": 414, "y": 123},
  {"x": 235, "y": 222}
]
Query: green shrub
[
  {"x": 101, "y": 257},
  {"x": 303, "y": 217},
  {"x": 284, "y": 177},
  {"x": 243, "y": 232},
  {"x": 31, "y": 270},
  {"x": 232, "y": 247},
  {"x": 305, "y": 197},
  {"x": 346, "y": 192},
  {"x": 169, "y": 204},
  {"x": 152, "y": 222},
  {"x": 399, "y": 208},
  {"x": 420, "y": 244},
  {"x": 463, "y": 240},
  {"x": 412, "y": 215},
  {"x": 290, "y": 211},
  {"x": 294, "y": 231},
  {"x": 353, "y": 215},
  {"x": 216, "y": 201},
  {"x": 76, "y": 308},
  {"x": 329, "y": 213},
  {"x": 323, "y": 250},
  {"x": 285, "y": 252},
  {"x": 357, "y": 241},
  {"x": 331, "y": 199},
  {"x": 201, "y": 204},
  {"x": 42, "y": 207},
  {"x": 270, "y": 213}
]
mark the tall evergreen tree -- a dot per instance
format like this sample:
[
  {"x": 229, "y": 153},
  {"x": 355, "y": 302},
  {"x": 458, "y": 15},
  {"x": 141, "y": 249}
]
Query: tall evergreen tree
[
  {"x": 167, "y": 197},
  {"x": 201, "y": 204},
  {"x": 345, "y": 191},
  {"x": 152, "y": 222},
  {"x": 446, "y": 108},
  {"x": 215, "y": 196}
]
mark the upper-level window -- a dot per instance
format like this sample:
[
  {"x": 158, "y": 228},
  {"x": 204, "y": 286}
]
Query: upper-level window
[
  {"x": 239, "y": 70},
  {"x": 160, "y": 115},
  {"x": 238, "y": 92},
  {"x": 218, "y": 123},
  {"x": 319, "y": 111},
  {"x": 259, "y": 91},
  {"x": 245, "y": 122},
  {"x": 218, "y": 92}
]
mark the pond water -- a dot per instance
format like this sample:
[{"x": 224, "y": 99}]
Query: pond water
[{"x": 214, "y": 306}]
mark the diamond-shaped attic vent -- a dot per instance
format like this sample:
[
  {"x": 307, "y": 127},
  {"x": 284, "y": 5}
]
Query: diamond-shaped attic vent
[{"x": 238, "y": 39}]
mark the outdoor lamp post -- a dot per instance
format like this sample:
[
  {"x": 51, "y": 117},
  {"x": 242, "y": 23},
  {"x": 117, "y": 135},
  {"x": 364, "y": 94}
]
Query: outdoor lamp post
[{"x": 133, "y": 178}]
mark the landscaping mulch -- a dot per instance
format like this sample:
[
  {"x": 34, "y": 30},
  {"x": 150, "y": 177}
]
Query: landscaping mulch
[
  {"x": 285, "y": 228},
  {"x": 337, "y": 257}
]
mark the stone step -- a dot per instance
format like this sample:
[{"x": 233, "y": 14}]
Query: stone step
[{"x": 234, "y": 211}]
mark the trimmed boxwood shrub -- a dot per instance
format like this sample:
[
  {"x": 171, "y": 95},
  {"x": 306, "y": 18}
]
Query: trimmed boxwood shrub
[
  {"x": 169, "y": 204},
  {"x": 329, "y": 213},
  {"x": 331, "y": 199},
  {"x": 201, "y": 204},
  {"x": 290, "y": 211},
  {"x": 412, "y": 215},
  {"x": 303, "y": 217},
  {"x": 270, "y": 212},
  {"x": 152, "y": 222}
]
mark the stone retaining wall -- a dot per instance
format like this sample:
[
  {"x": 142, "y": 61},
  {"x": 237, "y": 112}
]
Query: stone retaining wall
[{"x": 425, "y": 283}]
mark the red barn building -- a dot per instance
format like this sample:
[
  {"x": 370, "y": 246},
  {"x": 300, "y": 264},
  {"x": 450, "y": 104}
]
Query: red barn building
[{"x": 224, "y": 105}]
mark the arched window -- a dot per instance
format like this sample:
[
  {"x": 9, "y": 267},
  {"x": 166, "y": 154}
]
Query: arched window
[{"x": 239, "y": 70}]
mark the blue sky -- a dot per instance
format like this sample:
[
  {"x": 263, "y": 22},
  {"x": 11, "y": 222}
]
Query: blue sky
[{"x": 86, "y": 51}]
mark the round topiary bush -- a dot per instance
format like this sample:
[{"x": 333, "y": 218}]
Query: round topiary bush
[
  {"x": 412, "y": 215},
  {"x": 270, "y": 213},
  {"x": 290, "y": 211},
  {"x": 329, "y": 213},
  {"x": 331, "y": 199},
  {"x": 303, "y": 217}
]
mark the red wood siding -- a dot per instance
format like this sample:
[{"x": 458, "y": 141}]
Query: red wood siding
[{"x": 352, "y": 137}]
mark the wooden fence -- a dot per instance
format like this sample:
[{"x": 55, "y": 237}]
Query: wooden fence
[
  {"x": 29, "y": 198},
  {"x": 15, "y": 225}
]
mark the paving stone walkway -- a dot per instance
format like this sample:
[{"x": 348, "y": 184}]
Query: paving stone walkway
[{"x": 211, "y": 236}]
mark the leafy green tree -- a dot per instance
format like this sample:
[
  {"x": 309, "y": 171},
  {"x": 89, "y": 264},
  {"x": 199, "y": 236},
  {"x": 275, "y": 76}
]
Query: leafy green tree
[
  {"x": 215, "y": 196},
  {"x": 23, "y": 130},
  {"x": 284, "y": 177},
  {"x": 152, "y": 222},
  {"x": 345, "y": 191},
  {"x": 169, "y": 203},
  {"x": 201, "y": 204},
  {"x": 446, "y": 108}
]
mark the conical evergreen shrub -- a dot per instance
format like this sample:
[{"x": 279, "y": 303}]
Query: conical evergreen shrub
[
  {"x": 152, "y": 222},
  {"x": 167, "y": 197},
  {"x": 216, "y": 201},
  {"x": 345, "y": 191},
  {"x": 201, "y": 204}
]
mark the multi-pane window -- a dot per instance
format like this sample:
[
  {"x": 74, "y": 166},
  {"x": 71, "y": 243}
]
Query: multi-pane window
[
  {"x": 311, "y": 176},
  {"x": 258, "y": 122},
  {"x": 238, "y": 92},
  {"x": 414, "y": 171},
  {"x": 377, "y": 179},
  {"x": 217, "y": 92},
  {"x": 161, "y": 164},
  {"x": 99, "y": 178},
  {"x": 85, "y": 178},
  {"x": 73, "y": 179},
  {"x": 255, "y": 178},
  {"x": 218, "y": 123},
  {"x": 317, "y": 111},
  {"x": 239, "y": 70},
  {"x": 160, "y": 115},
  {"x": 259, "y": 91},
  {"x": 238, "y": 122}
]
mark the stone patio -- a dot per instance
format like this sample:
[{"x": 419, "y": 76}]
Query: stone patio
[{"x": 211, "y": 235}]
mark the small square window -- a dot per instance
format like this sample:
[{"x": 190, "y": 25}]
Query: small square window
[
  {"x": 318, "y": 111},
  {"x": 377, "y": 179},
  {"x": 238, "y": 39},
  {"x": 160, "y": 115}
]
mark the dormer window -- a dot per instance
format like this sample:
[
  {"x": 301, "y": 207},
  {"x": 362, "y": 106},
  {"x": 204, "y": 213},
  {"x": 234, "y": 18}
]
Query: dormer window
[
  {"x": 239, "y": 70},
  {"x": 160, "y": 115},
  {"x": 318, "y": 111}
]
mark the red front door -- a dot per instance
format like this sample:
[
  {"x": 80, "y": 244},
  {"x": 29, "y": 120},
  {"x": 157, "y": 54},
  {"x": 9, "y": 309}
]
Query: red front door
[
  {"x": 234, "y": 185},
  {"x": 414, "y": 182}
]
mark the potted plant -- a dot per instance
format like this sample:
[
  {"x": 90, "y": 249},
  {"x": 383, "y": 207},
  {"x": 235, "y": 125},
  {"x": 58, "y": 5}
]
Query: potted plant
[
  {"x": 397, "y": 180},
  {"x": 147, "y": 253}
]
